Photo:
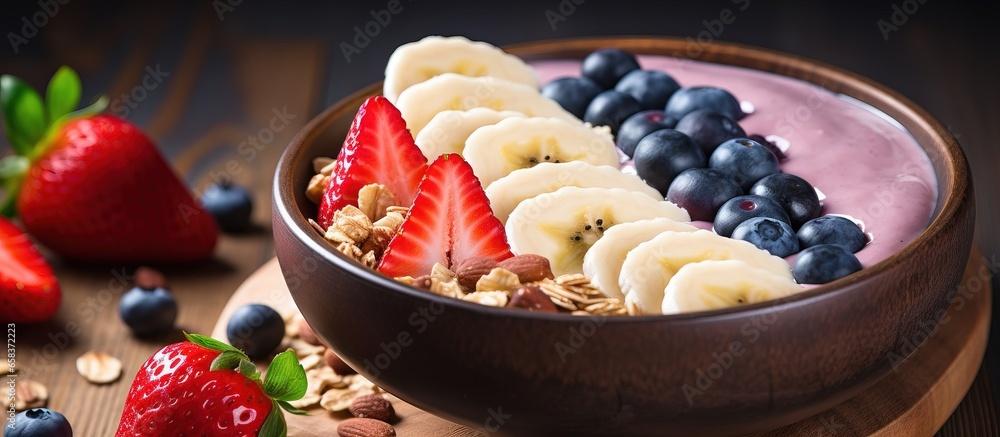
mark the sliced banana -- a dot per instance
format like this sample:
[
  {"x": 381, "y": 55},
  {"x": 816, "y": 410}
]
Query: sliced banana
[
  {"x": 562, "y": 225},
  {"x": 710, "y": 285},
  {"x": 507, "y": 192},
  {"x": 448, "y": 130},
  {"x": 515, "y": 143},
  {"x": 603, "y": 262},
  {"x": 434, "y": 55},
  {"x": 651, "y": 265},
  {"x": 421, "y": 102}
]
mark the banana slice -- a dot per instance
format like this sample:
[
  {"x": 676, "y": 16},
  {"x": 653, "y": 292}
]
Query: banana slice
[
  {"x": 421, "y": 102},
  {"x": 650, "y": 266},
  {"x": 603, "y": 262},
  {"x": 418, "y": 61},
  {"x": 448, "y": 130},
  {"x": 507, "y": 192},
  {"x": 515, "y": 143},
  {"x": 562, "y": 225},
  {"x": 710, "y": 285}
]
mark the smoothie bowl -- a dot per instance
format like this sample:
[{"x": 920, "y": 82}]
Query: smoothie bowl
[{"x": 627, "y": 360}]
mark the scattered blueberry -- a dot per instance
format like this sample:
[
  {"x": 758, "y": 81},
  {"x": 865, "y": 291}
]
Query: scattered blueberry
[
  {"x": 740, "y": 209},
  {"x": 774, "y": 236},
  {"x": 770, "y": 146},
  {"x": 148, "y": 311},
  {"x": 650, "y": 87},
  {"x": 793, "y": 193},
  {"x": 709, "y": 129},
  {"x": 638, "y": 126},
  {"x": 38, "y": 422},
  {"x": 611, "y": 108},
  {"x": 231, "y": 205},
  {"x": 256, "y": 329},
  {"x": 701, "y": 191},
  {"x": 664, "y": 154},
  {"x": 687, "y": 100},
  {"x": 607, "y": 66},
  {"x": 744, "y": 160},
  {"x": 831, "y": 229},
  {"x": 824, "y": 263},
  {"x": 572, "y": 93}
]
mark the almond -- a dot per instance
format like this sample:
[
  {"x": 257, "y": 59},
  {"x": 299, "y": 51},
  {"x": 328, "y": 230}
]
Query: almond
[
  {"x": 360, "y": 427},
  {"x": 148, "y": 278},
  {"x": 99, "y": 367},
  {"x": 307, "y": 334},
  {"x": 372, "y": 406},
  {"x": 532, "y": 298},
  {"x": 470, "y": 270},
  {"x": 338, "y": 365},
  {"x": 528, "y": 267}
]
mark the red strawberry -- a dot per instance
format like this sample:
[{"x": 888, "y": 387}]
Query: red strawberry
[
  {"x": 205, "y": 388},
  {"x": 94, "y": 187},
  {"x": 378, "y": 149},
  {"x": 28, "y": 288},
  {"x": 449, "y": 221}
]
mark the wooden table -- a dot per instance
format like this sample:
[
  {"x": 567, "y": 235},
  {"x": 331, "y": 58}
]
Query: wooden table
[{"x": 228, "y": 75}]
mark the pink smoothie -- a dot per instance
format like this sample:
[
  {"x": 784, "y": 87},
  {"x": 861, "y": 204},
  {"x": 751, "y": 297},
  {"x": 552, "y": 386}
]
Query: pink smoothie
[{"x": 866, "y": 165}]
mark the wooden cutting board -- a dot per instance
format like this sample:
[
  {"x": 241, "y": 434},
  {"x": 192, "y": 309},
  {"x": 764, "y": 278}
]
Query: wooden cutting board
[{"x": 914, "y": 400}]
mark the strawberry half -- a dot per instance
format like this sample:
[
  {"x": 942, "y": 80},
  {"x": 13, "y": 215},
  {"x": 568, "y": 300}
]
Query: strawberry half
[
  {"x": 29, "y": 291},
  {"x": 205, "y": 388},
  {"x": 450, "y": 221},
  {"x": 378, "y": 149},
  {"x": 94, "y": 187}
]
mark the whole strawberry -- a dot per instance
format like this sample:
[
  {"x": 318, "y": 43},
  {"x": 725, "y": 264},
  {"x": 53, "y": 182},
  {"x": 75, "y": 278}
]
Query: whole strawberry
[
  {"x": 205, "y": 388},
  {"x": 94, "y": 187},
  {"x": 28, "y": 288}
]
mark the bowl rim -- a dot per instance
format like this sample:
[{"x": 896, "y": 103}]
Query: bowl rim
[{"x": 809, "y": 70}]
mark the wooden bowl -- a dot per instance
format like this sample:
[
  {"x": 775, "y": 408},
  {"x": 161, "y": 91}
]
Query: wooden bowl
[{"x": 725, "y": 372}]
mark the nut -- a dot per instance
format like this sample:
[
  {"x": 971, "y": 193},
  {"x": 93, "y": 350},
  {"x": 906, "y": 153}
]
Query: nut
[
  {"x": 532, "y": 298},
  {"x": 498, "y": 279},
  {"x": 361, "y": 427},
  {"x": 441, "y": 273},
  {"x": 529, "y": 267},
  {"x": 471, "y": 269},
  {"x": 336, "y": 363},
  {"x": 306, "y": 332},
  {"x": 323, "y": 165},
  {"x": 488, "y": 298},
  {"x": 149, "y": 278},
  {"x": 373, "y": 199},
  {"x": 373, "y": 406},
  {"x": 30, "y": 394},
  {"x": 99, "y": 367},
  {"x": 317, "y": 185},
  {"x": 352, "y": 222}
]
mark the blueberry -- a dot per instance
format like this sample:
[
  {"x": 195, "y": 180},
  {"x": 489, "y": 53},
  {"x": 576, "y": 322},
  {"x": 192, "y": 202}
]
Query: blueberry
[
  {"x": 572, "y": 93},
  {"x": 38, "y": 422},
  {"x": 793, "y": 193},
  {"x": 709, "y": 129},
  {"x": 664, "y": 154},
  {"x": 610, "y": 108},
  {"x": 824, "y": 263},
  {"x": 607, "y": 66},
  {"x": 740, "y": 209},
  {"x": 687, "y": 100},
  {"x": 774, "y": 236},
  {"x": 701, "y": 191},
  {"x": 744, "y": 160},
  {"x": 231, "y": 206},
  {"x": 148, "y": 311},
  {"x": 638, "y": 126},
  {"x": 650, "y": 87},
  {"x": 256, "y": 329},
  {"x": 831, "y": 229}
]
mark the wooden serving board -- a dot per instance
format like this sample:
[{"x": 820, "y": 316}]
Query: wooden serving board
[{"x": 916, "y": 399}]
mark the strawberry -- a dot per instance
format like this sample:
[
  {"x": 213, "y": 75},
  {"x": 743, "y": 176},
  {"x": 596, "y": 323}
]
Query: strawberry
[
  {"x": 94, "y": 187},
  {"x": 205, "y": 388},
  {"x": 450, "y": 221},
  {"x": 28, "y": 289},
  {"x": 378, "y": 149}
]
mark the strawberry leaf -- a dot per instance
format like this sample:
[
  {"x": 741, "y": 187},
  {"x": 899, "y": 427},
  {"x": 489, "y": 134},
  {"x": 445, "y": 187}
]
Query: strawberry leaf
[
  {"x": 23, "y": 112},
  {"x": 289, "y": 408},
  {"x": 248, "y": 369},
  {"x": 285, "y": 379},
  {"x": 274, "y": 425},
  {"x": 228, "y": 360},
  {"x": 210, "y": 343},
  {"x": 63, "y": 93}
]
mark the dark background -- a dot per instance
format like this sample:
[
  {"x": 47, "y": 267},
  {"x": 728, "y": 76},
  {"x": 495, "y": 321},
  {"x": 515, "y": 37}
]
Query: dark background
[{"x": 945, "y": 56}]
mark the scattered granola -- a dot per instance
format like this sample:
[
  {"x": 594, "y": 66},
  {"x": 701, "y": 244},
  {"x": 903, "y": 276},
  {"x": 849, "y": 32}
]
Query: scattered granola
[
  {"x": 374, "y": 199},
  {"x": 30, "y": 394},
  {"x": 499, "y": 279},
  {"x": 99, "y": 367},
  {"x": 488, "y": 298}
]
